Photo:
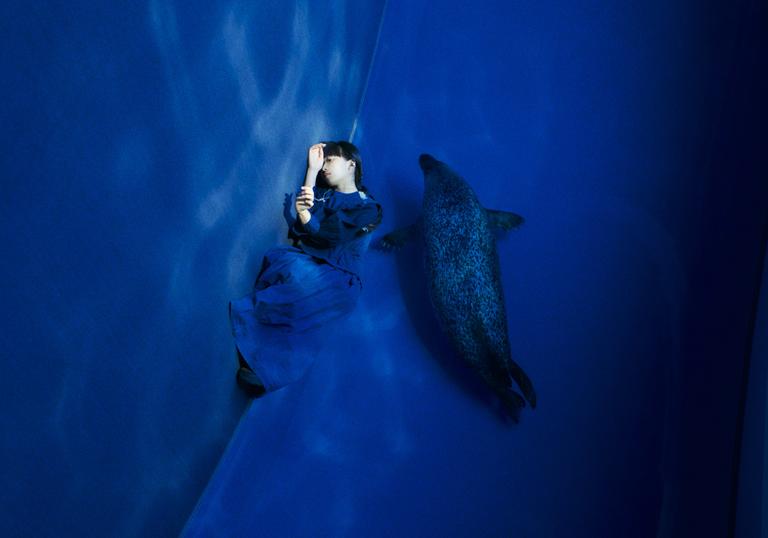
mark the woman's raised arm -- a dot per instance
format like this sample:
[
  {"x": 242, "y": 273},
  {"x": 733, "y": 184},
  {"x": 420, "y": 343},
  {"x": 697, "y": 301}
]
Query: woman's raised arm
[{"x": 314, "y": 164}]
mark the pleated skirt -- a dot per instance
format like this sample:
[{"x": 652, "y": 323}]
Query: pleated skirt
[{"x": 277, "y": 325}]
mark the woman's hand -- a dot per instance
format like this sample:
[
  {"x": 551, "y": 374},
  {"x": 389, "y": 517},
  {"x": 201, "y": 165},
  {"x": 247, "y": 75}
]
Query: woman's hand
[
  {"x": 315, "y": 157},
  {"x": 305, "y": 199}
]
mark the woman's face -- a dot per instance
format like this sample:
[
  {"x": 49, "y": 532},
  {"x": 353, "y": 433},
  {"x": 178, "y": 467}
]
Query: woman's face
[{"x": 337, "y": 169}]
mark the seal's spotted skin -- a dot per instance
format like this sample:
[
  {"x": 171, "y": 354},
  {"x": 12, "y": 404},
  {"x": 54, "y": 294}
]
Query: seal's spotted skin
[{"x": 463, "y": 273}]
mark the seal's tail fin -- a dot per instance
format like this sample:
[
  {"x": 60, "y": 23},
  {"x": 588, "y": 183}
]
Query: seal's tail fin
[
  {"x": 498, "y": 369},
  {"x": 512, "y": 402},
  {"x": 523, "y": 382}
]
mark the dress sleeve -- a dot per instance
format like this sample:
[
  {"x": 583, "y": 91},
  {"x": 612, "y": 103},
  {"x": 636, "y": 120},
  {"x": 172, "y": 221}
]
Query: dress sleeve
[
  {"x": 300, "y": 229},
  {"x": 361, "y": 218},
  {"x": 297, "y": 229},
  {"x": 330, "y": 226}
]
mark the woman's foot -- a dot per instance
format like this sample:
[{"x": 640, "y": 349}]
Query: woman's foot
[
  {"x": 241, "y": 360},
  {"x": 250, "y": 381}
]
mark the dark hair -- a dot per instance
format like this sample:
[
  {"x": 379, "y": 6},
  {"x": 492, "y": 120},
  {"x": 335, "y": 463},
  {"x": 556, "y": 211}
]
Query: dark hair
[{"x": 348, "y": 151}]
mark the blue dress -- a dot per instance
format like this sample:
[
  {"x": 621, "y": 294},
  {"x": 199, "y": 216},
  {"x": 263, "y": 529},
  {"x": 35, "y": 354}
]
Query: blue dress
[{"x": 303, "y": 286}]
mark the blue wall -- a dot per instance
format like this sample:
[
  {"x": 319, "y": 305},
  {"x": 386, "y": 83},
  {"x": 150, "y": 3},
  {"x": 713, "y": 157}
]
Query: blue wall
[{"x": 147, "y": 150}]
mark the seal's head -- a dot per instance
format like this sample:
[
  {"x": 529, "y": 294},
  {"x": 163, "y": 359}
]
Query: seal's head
[
  {"x": 437, "y": 173},
  {"x": 427, "y": 162}
]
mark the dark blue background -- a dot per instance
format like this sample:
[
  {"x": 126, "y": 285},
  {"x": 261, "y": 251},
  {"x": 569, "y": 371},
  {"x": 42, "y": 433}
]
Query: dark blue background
[{"x": 146, "y": 150}]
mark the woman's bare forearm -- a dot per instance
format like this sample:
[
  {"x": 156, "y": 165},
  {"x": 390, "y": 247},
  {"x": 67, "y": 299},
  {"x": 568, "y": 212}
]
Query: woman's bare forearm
[
  {"x": 306, "y": 198},
  {"x": 311, "y": 178},
  {"x": 309, "y": 181}
]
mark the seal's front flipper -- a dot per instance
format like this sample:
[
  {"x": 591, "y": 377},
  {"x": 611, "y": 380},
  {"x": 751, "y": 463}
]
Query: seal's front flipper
[
  {"x": 397, "y": 238},
  {"x": 506, "y": 220}
]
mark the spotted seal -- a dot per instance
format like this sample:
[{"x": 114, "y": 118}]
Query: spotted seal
[{"x": 462, "y": 267}]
